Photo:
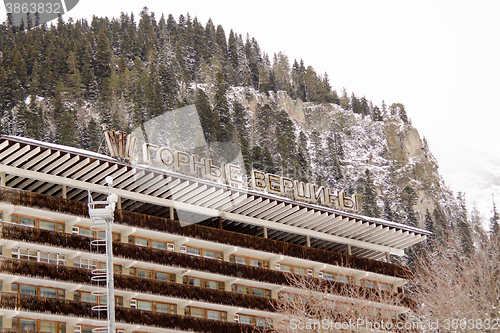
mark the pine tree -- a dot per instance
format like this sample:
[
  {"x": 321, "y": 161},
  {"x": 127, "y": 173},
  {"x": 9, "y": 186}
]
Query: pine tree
[
  {"x": 429, "y": 225},
  {"x": 429, "y": 222},
  {"x": 387, "y": 214},
  {"x": 408, "y": 201},
  {"x": 66, "y": 129},
  {"x": 494, "y": 222},
  {"x": 345, "y": 103},
  {"x": 339, "y": 146},
  {"x": 332, "y": 160},
  {"x": 35, "y": 121},
  {"x": 369, "y": 196},
  {"x": 284, "y": 131},
  {"x": 377, "y": 115},
  {"x": 94, "y": 134},
  {"x": 303, "y": 157},
  {"x": 74, "y": 76},
  {"x": 440, "y": 224},
  {"x": 232, "y": 49},
  {"x": 356, "y": 105},
  {"x": 208, "y": 118},
  {"x": 267, "y": 161},
  {"x": 221, "y": 107},
  {"x": 316, "y": 147},
  {"x": 102, "y": 62},
  {"x": 463, "y": 226},
  {"x": 399, "y": 110},
  {"x": 257, "y": 158}
]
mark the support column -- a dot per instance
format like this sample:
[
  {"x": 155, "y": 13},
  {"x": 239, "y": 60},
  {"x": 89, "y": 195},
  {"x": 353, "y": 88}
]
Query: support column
[
  {"x": 171, "y": 211},
  {"x": 388, "y": 257},
  {"x": 265, "y": 232},
  {"x": 64, "y": 191},
  {"x": 220, "y": 222},
  {"x": 2, "y": 178},
  {"x": 349, "y": 252},
  {"x": 308, "y": 241},
  {"x": 119, "y": 203}
]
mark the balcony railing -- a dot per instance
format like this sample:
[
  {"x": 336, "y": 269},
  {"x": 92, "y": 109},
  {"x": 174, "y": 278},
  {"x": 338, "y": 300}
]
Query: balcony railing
[
  {"x": 136, "y": 284},
  {"x": 129, "y": 251},
  {"x": 42, "y": 201},
  {"x": 124, "y": 315}
]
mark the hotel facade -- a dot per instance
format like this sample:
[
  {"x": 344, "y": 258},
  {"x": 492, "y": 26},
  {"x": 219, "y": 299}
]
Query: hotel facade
[{"x": 189, "y": 254}]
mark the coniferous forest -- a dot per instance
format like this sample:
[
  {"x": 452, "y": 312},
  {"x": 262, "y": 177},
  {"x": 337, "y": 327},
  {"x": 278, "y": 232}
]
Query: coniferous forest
[{"x": 132, "y": 69}]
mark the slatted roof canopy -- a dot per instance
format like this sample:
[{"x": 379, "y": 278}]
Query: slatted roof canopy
[{"x": 53, "y": 169}]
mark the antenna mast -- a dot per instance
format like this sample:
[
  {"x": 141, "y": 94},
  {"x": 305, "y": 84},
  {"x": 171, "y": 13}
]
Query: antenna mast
[{"x": 102, "y": 214}]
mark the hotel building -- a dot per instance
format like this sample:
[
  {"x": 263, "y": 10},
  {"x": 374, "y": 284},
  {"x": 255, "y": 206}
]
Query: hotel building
[{"x": 189, "y": 254}]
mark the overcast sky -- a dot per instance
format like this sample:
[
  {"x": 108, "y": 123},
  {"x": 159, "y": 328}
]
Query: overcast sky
[{"x": 441, "y": 59}]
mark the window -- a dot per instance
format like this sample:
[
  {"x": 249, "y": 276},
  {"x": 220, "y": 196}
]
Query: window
[
  {"x": 117, "y": 267},
  {"x": 37, "y": 223},
  {"x": 253, "y": 320},
  {"x": 370, "y": 284},
  {"x": 374, "y": 285},
  {"x": 145, "y": 305},
  {"x": 165, "y": 308},
  {"x": 250, "y": 291},
  {"x": 87, "y": 233},
  {"x": 25, "y": 254},
  {"x": 259, "y": 263},
  {"x": 345, "y": 279},
  {"x": 159, "y": 245},
  {"x": 329, "y": 276},
  {"x": 203, "y": 283},
  {"x": 87, "y": 297},
  {"x": 24, "y": 324},
  {"x": 205, "y": 313},
  {"x": 147, "y": 274},
  {"x": 95, "y": 234},
  {"x": 338, "y": 278},
  {"x": 385, "y": 286},
  {"x": 142, "y": 273},
  {"x": 34, "y": 255},
  {"x": 52, "y": 293},
  {"x": 165, "y": 277},
  {"x": 50, "y": 326},
  {"x": 249, "y": 261},
  {"x": 52, "y": 258},
  {"x": 293, "y": 269},
  {"x": 38, "y": 325},
  {"x": 212, "y": 255},
  {"x": 147, "y": 243},
  {"x": 85, "y": 329},
  {"x": 193, "y": 251},
  {"x": 24, "y": 289},
  {"x": 85, "y": 263},
  {"x": 238, "y": 260},
  {"x": 138, "y": 241},
  {"x": 82, "y": 296},
  {"x": 156, "y": 306}
]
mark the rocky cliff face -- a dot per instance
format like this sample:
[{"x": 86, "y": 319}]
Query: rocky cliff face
[{"x": 391, "y": 150}]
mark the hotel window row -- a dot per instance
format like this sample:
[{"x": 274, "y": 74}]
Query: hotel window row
[{"x": 60, "y": 259}]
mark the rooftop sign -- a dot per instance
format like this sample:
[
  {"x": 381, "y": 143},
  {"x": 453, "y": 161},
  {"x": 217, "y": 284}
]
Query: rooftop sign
[{"x": 122, "y": 146}]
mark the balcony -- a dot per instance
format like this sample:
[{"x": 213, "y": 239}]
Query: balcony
[
  {"x": 123, "y": 315},
  {"x": 160, "y": 224}
]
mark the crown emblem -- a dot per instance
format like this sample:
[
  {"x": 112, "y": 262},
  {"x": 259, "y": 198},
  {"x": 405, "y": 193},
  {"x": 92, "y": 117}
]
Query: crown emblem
[{"x": 120, "y": 144}]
